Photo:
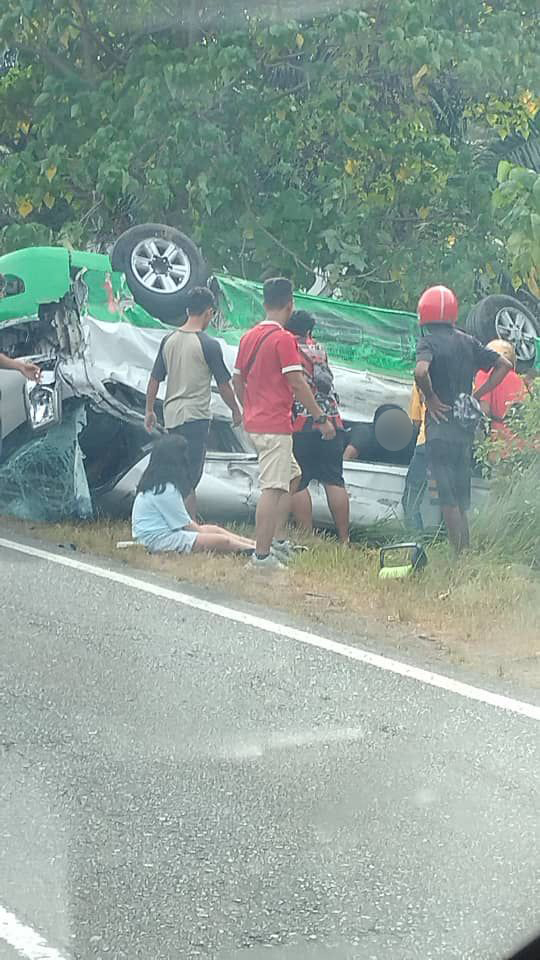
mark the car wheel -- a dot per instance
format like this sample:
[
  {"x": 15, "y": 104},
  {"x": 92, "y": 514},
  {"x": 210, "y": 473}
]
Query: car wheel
[
  {"x": 161, "y": 266},
  {"x": 505, "y": 318}
]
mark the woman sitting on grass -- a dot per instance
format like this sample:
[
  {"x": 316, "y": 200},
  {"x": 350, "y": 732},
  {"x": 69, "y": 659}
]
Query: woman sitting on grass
[{"x": 159, "y": 518}]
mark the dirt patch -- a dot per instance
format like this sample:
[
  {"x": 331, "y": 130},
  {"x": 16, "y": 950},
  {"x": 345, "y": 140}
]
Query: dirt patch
[{"x": 479, "y": 614}]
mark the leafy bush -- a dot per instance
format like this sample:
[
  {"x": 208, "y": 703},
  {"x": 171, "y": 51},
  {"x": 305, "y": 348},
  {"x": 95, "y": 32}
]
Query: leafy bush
[{"x": 509, "y": 525}]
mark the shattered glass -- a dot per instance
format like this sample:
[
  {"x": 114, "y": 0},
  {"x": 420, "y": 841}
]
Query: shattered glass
[{"x": 45, "y": 480}]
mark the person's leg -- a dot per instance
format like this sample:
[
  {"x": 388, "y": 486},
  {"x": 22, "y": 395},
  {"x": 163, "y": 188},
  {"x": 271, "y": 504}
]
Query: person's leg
[
  {"x": 454, "y": 526},
  {"x": 327, "y": 468},
  {"x": 301, "y": 505},
  {"x": 218, "y": 543},
  {"x": 272, "y": 506},
  {"x": 464, "y": 461},
  {"x": 195, "y": 432},
  {"x": 338, "y": 504},
  {"x": 278, "y": 477},
  {"x": 415, "y": 486},
  {"x": 445, "y": 465},
  {"x": 190, "y": 500},
  {"x": 302, "y": 510},
  {"x": 285, "y": 506},
  {"x": 212, "y": 528}
]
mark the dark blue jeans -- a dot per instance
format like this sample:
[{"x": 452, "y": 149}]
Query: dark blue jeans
[{"x": 415, "y": 487}]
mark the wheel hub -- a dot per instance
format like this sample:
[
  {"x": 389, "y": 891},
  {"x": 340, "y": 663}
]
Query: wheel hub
[
  {"x": 515, "y": 326},
  {"x": 160, "y": 265}
]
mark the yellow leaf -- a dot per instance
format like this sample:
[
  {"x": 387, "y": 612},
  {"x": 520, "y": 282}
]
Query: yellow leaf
[
  {"x": 25, "y": 127},
  {"x": 419, "y": 76},
  {"x": 351, "y": 166},
  {"x": 451, "y": 240},
  {"x": 50, "y": 173},
  {"x": 423, "y": 213},
  {"x": 281, "y": 114},
  {"x": 49, "y": 200},
  {"x": 25, "y": 206},
  {"x": 530, "y": 102},
  {"x": 299, "y": 41}
]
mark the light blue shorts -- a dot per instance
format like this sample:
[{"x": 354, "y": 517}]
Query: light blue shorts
[{"x": 181, "y": 541}]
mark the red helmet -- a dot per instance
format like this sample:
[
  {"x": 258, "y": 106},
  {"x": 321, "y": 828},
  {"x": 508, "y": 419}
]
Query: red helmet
[{"x": 437, "y": 305}]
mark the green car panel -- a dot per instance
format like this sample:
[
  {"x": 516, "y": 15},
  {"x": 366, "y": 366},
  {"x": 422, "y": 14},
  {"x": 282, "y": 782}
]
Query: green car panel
[{"x": 45, "y": 273}]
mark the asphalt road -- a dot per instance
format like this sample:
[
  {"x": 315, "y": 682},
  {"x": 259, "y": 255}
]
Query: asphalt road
[{"x": 174, "y": 785}]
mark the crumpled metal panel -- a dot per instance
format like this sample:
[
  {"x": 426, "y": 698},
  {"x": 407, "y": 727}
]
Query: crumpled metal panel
[
  {"x": 122, "y": 353},
  {"x": 229, "y": 492}
]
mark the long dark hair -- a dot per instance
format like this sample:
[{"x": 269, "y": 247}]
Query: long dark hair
[{"x": 168, "y": 464}]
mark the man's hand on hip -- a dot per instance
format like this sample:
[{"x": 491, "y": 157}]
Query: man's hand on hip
[
  {"x": 437, "y": 409},
  {"x": 327, "y": 429}
]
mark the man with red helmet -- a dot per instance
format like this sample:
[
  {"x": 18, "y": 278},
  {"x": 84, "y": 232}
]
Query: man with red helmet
[{"x": 447, "y": 363}]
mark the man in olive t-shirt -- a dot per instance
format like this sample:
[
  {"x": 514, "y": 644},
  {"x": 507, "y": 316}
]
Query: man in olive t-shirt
[{"x": 188, "y": 359}]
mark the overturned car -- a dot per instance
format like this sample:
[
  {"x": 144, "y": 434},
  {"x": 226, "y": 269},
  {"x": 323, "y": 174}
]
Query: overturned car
[{"x": 74, "y": 445}]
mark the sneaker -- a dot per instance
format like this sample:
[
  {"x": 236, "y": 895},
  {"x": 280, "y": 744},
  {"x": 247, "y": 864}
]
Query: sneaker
[
  {"x": 270, "y": 563},
  {"x": 283, "y": 550}
]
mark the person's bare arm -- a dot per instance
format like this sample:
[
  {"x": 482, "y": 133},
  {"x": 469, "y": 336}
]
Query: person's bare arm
[
  {"x": 29, "y": 370},
  {"x": 497, "y": 375},
  {"x": 304, "y": 395},
  {"x": 150, "y": 419},
  {"x": 227, "y": 395},
  {"x": 239, "y": 387},
  {"x": 436, "y": 407}
]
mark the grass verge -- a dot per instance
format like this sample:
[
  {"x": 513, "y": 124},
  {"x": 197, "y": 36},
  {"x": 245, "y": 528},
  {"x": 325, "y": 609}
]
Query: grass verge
[{"x": 482, "y": 612}]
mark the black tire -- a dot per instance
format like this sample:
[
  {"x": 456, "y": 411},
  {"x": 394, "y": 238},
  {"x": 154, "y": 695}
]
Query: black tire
[
  {"x": 486, "y": 321},
  {"x": 187, "y": 269}
]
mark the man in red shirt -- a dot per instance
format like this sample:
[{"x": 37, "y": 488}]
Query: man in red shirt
[{"x": 267, "y": 377}]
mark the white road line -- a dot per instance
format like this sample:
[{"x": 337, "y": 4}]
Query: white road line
[
  {"x": 448, "y": 684},
  {"x": 24, "y": 940}
]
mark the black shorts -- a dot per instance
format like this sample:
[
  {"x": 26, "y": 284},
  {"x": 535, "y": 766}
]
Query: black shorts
[
  {"x": 450, "y": 462},
  {"x": 195, "y": 432},
  {"x": 319, "y": 459}
]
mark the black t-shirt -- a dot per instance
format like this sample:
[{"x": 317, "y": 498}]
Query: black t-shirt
[{"x": 454, "y": 360}]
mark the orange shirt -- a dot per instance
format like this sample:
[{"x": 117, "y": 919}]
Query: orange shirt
[{"x": 511, "y": 390}]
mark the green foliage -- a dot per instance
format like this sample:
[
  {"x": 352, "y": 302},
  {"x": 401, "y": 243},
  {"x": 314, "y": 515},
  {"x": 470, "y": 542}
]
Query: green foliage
[
  {"x": 517, "y": 202},
  {"x": 509, "y": 525},
  {"x": 347, "y": 141}
]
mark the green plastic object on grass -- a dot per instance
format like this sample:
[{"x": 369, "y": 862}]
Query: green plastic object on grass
[{"x": 400, "y": 560}]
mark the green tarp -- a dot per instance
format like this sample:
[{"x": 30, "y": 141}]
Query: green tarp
[{"x": 357, "y": 336}]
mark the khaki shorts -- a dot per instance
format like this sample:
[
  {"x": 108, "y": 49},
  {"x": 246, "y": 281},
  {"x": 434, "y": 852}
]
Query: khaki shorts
[{"x": 277, "y": 466}]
